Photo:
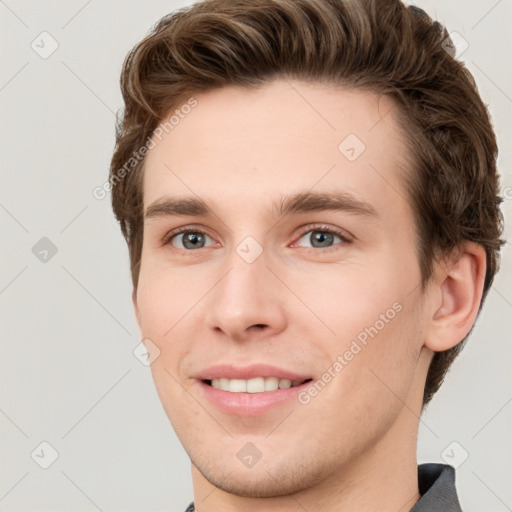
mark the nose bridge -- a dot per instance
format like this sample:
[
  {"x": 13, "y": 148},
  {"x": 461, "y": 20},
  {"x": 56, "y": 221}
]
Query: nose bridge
[{"x": 246, "y": 284}]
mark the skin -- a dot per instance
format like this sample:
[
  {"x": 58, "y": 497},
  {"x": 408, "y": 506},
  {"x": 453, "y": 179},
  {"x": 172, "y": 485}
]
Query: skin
[{"x": 240, "y": 150}]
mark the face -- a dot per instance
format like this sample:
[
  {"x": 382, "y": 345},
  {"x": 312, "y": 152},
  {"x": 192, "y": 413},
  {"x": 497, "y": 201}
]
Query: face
[{"x": 250, "y": 290}]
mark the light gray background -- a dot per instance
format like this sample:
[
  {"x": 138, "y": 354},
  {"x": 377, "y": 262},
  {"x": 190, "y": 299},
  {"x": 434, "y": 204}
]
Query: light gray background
[{"x": 68, "y": 374}]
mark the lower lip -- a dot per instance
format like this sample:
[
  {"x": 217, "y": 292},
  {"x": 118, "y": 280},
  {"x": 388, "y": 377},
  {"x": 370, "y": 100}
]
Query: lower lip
[{"x": 250, "y": 404}]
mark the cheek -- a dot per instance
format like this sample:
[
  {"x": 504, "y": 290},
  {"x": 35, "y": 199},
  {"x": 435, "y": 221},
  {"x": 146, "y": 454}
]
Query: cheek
[
  {"x": 163, "y": 298},
  {"x": 165, "y": 307},
  {"x": 170, "y": 302},
  {"x": 354, "y": 299},
  {"x": 387, "y": 348},
  {"x": 377, "y": 331},
  {"x": 374, "y": 374}
]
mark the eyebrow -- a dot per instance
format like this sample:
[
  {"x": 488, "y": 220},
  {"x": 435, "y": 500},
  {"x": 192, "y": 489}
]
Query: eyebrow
[{"x": 301, "y": 202}]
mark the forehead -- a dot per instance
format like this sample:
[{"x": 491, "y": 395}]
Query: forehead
[{"x": 284, "y": 136}]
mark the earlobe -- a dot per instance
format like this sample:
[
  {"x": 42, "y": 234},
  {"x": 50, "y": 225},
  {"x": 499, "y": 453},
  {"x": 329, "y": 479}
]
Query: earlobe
[{"x": 456, "y": 301}]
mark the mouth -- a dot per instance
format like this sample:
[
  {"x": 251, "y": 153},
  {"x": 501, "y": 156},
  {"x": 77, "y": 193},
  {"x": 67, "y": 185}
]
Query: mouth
[
  {"x": 250, "y": 390},
  {"x": 254, "y": 385},
  {"x": 251, "y": 397}
]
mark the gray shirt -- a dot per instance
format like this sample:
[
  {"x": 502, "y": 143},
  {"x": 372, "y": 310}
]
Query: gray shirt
[{"x": 436, "y": 484}]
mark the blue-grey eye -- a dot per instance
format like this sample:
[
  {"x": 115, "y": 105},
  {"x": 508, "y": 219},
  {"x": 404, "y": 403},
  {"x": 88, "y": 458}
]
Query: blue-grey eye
[
  {"x": 190, "y": 239},
  {"x": 320, "y": 238}
]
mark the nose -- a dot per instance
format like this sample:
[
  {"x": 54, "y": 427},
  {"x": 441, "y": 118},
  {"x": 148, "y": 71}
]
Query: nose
[{"x": 248, "y": 301}]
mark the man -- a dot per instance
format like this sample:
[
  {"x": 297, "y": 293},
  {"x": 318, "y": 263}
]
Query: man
[{"x": 308, "y": 190}]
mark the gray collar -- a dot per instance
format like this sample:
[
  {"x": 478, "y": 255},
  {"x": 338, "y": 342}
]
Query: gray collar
[{"x": 437, "y": 488}]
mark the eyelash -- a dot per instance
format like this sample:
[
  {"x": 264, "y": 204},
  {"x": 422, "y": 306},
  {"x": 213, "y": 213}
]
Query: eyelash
[{"x": 318, "y": 227}]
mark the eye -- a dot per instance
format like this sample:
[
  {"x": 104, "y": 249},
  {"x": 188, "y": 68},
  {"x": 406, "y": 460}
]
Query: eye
[
  {"x": 322, "y": 237},
  {"x": 187, "y": 239}
]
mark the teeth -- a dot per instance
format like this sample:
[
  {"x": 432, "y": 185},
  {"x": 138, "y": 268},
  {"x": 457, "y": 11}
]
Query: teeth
[
  {"x": 271, "y": 383},
  {"x": 285, "y": 383},
  {"x": 255, "y": 385},
  {"x": 238, "y": 386}
]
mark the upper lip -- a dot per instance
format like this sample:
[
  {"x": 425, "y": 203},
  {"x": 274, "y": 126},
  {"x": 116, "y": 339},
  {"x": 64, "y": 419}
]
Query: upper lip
[{"x": 231, "y": 371}]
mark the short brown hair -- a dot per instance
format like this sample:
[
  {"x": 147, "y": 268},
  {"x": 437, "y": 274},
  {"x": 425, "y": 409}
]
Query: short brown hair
[{"x": 378, "y": 45}]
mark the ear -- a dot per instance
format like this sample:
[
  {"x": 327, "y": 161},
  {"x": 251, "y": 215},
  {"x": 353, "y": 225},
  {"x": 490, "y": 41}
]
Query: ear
[
  {"x": 456, "y": 295},
  {"x": 137, "y": 311}
]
